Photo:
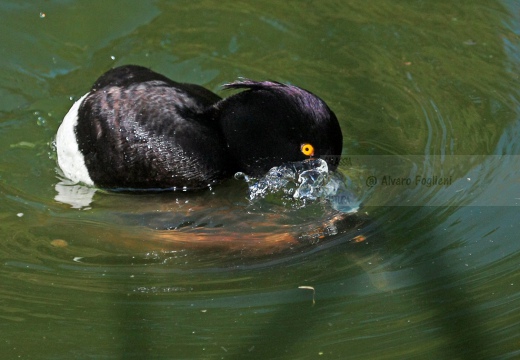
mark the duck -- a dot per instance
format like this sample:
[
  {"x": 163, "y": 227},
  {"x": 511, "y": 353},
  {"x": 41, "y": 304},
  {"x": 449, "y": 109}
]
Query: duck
[{"x": 136, "y": 129}]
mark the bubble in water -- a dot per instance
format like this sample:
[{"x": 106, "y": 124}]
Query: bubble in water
[{"x": 41, "y": 121}]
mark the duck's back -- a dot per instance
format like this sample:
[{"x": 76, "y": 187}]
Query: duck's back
[{"x": 138, "y": 129}]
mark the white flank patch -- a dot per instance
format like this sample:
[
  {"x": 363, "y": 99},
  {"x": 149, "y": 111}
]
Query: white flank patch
[{"x": 70, "y": 159}]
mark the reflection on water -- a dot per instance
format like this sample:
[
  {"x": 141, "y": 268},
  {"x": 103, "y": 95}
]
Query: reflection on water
[
  {"x": 419, "y": 270},
  {"x": 293, "y": 206},
  {"x": 76, "y": 195}
]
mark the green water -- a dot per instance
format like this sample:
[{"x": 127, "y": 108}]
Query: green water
[{"x": 421, "y": 88}]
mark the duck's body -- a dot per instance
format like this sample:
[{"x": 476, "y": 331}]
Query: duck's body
[{"x": 137, "y": 129}]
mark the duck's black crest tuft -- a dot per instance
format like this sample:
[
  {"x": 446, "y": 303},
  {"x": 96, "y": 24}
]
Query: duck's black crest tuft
[{"x": 244, "y": 83}]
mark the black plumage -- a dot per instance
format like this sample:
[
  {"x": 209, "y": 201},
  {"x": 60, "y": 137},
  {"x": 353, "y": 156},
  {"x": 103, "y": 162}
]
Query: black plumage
[{"x": 137, "y": 129}]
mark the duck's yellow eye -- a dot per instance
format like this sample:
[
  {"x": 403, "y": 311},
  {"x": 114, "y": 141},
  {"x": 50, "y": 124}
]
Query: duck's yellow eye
[{"x": 307, "y": 149}]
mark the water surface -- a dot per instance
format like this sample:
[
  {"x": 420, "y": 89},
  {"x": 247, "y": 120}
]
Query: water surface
[{"x": 426, "y": 89}]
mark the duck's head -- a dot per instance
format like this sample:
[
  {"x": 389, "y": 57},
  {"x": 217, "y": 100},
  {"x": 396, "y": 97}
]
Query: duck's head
[{"x": 272, "y": 123}]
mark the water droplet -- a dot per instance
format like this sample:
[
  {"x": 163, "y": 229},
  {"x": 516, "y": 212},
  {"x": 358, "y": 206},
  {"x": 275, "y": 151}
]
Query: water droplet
[{"x": 41, "y": 121}]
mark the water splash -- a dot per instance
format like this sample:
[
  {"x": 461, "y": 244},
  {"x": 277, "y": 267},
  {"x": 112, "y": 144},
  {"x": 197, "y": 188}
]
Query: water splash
[{"x": 302, "y": 182}]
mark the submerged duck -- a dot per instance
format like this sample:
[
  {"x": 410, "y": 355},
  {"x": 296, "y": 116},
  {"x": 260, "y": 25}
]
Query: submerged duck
[{"x": 137, "y": 129}]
